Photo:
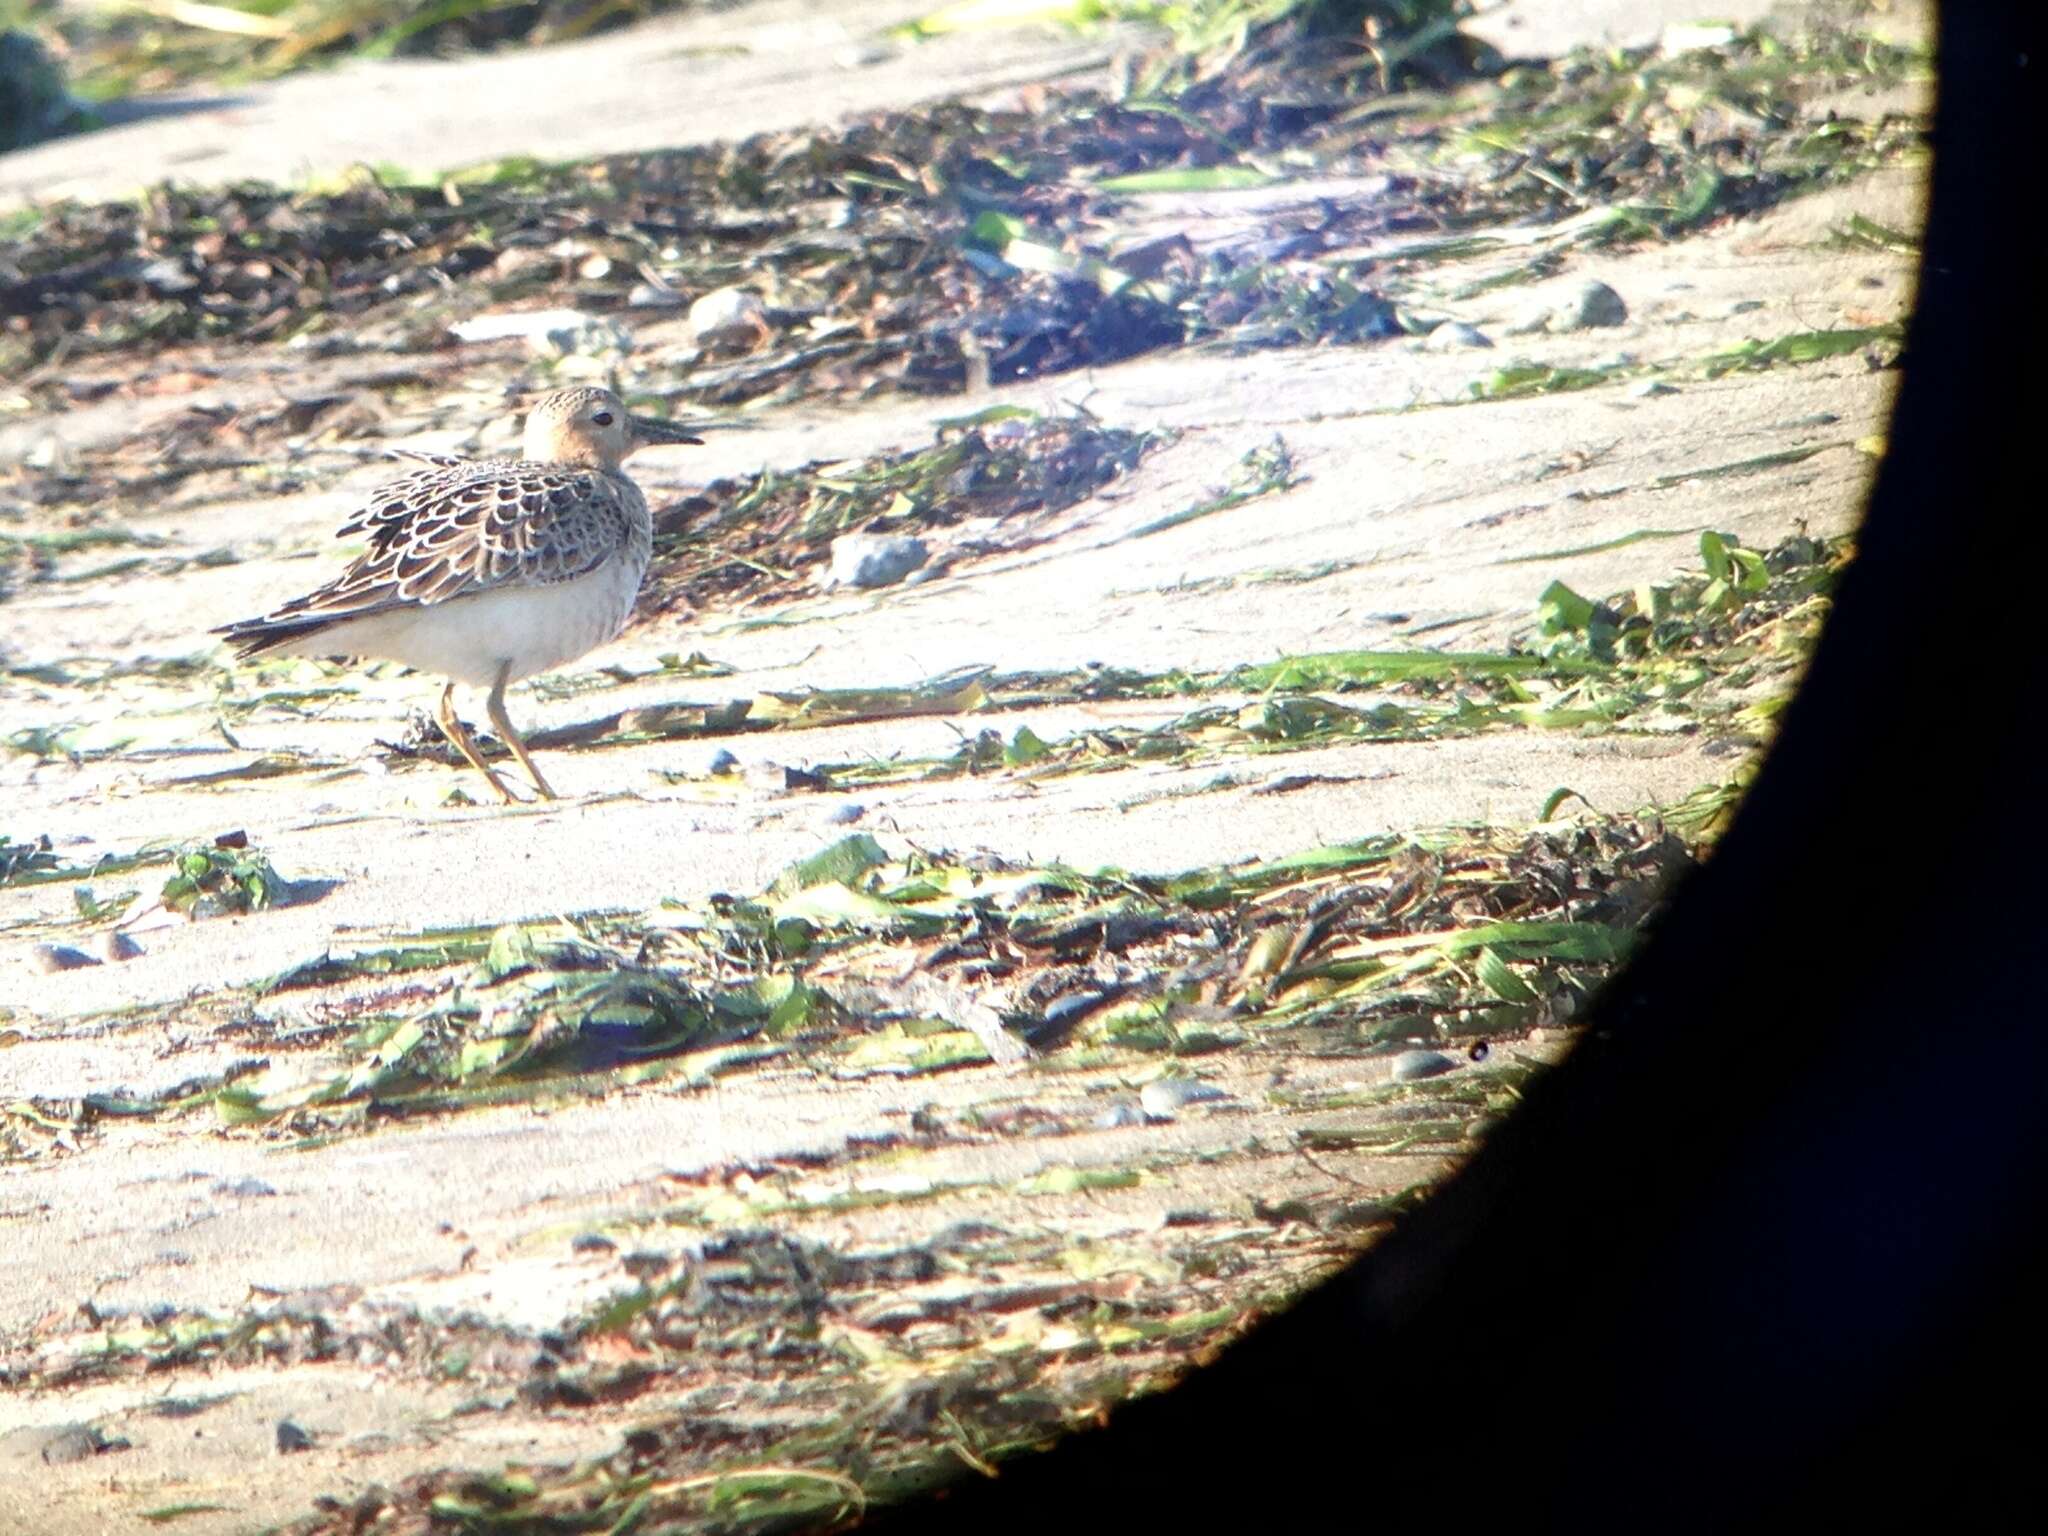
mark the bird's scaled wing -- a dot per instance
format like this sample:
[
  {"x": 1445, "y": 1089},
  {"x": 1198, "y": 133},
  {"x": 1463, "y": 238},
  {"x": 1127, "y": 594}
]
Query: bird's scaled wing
[{"x": 449, "y": 530}]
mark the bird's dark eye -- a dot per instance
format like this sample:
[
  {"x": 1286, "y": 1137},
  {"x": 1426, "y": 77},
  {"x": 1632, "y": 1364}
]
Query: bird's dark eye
[{"x": 603, "y": 418}]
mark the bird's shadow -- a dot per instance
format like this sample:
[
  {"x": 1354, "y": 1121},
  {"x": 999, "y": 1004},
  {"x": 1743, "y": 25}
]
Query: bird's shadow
[
  {"x": 301, "y": 893},
  {"x": 140, "y": 109}
]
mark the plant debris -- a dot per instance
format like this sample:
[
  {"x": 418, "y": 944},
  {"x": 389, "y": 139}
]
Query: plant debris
[
  {"x": 939, "y": 249},
  {"x": 1717, "y": 648},
  {"x": 767, "y": 537},
  {"x": 1462, "y": 932},
  {"x": 223, "y": 879},
  {"x": 117, "y": 51}
]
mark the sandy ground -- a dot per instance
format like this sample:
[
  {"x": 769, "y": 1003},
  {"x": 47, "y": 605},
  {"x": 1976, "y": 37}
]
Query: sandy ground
[{"x": 1433, "y": 526}]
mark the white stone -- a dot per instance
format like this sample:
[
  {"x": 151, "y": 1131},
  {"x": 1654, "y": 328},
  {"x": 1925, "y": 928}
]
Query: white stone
[
  {"x": 726, "y": 315},
  {"x": 874, "y": 559}
]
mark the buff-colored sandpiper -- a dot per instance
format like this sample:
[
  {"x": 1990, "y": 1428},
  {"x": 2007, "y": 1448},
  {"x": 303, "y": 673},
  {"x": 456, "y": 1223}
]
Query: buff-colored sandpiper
[{"x": 487, "y": 571}]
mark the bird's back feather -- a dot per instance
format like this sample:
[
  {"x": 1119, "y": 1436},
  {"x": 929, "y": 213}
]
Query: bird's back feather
[{"x": 458, "y": 527}]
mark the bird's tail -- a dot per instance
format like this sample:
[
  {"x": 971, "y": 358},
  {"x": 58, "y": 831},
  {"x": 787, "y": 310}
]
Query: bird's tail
[{"x": 253, "y": 637}]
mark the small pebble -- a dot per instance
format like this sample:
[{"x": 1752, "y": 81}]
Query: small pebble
[
  {"x": 1163, "y": 1097},
  {"x": 594, "y": 338},
  {"x": 1286, "y": 783},
  {"x": 723, "y": 763},
  {"x": 846, "y": 815},
  {"x": 116, "y": 945},
  {"x": 290, "y": 1438},
  {"x": 518, "y": 261},
  {"x": 50, "y": 958},
  {"x": 1123, "y": 1112},
  {"x": 646, "y": 1264},
  {"x": 48, "y": 452},
  {"x": 167, "y": 276},
  {"x": 1063, "y": 1015},
  {"x": 1593, "y": 304},
  {"x": 1650, "y": 388},
  {"x": 1454, "y": 335},
  {"x": 78, "y": 1442},
  {"x": 1413, "y": 1066},
  {"x": 874, "y": 560},
  {"x": 726, "y": 316},
  {"x": 765, "y": 778},
  {"x": 245, "y": 1188}
]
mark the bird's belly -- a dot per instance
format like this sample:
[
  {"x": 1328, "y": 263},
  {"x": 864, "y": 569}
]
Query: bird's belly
[{"x": 523, "y": 630}]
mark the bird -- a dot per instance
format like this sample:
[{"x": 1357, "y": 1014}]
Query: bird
[{"x": 486, "y": 571}]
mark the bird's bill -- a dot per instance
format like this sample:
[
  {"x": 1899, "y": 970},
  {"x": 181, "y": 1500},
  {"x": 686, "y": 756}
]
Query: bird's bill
[{"x": 648, "y": 430}]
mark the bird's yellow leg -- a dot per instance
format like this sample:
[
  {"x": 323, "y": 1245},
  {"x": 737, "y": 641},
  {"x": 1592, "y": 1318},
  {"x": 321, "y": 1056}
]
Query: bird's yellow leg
[
  {"x": 458, "y": 733},
  {"x": 495, "y": 706}
]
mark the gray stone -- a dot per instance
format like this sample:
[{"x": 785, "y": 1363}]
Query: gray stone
[
  {"x": 772, "y": 778},
  {"x": 167, "y": 276},
  {"x": 69, "y": 1443},
  {"x": 727, "y": 316},
  {"x": 846, "y": 815},
  {"x": 50, "y": 958},
  {"x": 1592, "y": 304},
  {"x": 1413, "y": 1066},
  {"x": 1163, "y": 1097},
  {"x": 593, "y": 338},
  {"x": 864, "y": 55},
  {"x": 48, "y": 452},
  {"x": 874, "y": 559},
  {"x": 1455, "y": 336},
  {"x": 1122, "y": 1113},
  {"x": 246, "y": 1188},
  {"x": 116, "y": 945}
]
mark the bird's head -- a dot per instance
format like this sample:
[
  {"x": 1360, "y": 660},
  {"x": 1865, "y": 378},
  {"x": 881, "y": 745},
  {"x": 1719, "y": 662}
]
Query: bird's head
[{"x": 593, "y": 427}]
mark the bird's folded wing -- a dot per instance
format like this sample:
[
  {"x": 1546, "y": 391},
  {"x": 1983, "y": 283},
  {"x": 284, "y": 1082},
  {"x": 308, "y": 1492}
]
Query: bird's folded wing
[{"x": 451, "y": 530}]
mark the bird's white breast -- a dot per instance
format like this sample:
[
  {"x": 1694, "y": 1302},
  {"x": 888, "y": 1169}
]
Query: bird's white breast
[{"x": 521, "y": 629}]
